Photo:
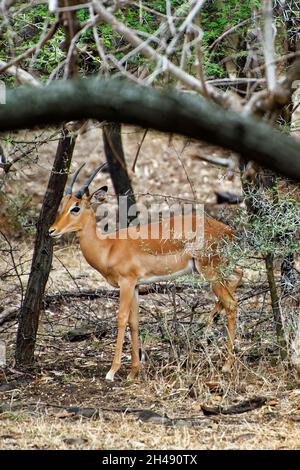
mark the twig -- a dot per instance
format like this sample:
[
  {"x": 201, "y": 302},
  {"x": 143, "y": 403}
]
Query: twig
[
  {"x": 235, "y": 81},
  {"x": 33, "y": 49},
  {"x": 158, "y": 13},
  {"x": 11, "y": 253},
  {"x": 229, "y": 31},
  {"x": 290, "y": 55},
  {"x": 90, "y": 23},
  {"x": 139, "y": 149},
  {"x": 99, "y": 45},
  {"x": 187, "y": 22},
  {"x": 8, "y": 164},
  {"x": 226, "y": 162},
  {"x": 68, "y": 271},
  {"x": 170, "y": 18},
  {"x": 186, "y": 172}
]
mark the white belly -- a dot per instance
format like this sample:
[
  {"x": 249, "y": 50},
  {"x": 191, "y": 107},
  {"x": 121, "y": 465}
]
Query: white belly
[{"x": 190, "y": 268}]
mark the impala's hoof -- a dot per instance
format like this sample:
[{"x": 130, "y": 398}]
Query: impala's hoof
[
  {"x": 131, "y": 376},
  {"x": 110, "y": 376},
  {"x": 226, "y": 369}
]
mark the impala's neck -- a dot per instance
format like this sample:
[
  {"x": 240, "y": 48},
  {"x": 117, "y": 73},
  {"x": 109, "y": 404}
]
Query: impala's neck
[
  {"x": 88, "y": 225},
  {"x": 89, "y": 235},
  {"x": 94, "y": 247}
]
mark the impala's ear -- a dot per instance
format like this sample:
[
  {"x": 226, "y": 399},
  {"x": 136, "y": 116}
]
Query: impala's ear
[{"x": 99, "y": 195}]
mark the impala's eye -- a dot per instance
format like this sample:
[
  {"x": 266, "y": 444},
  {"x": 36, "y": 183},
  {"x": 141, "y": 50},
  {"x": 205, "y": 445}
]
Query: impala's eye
[{"x": 75, "y": 210}]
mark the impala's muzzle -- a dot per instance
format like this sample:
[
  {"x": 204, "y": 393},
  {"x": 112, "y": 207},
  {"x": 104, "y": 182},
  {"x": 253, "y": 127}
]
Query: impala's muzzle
[{"x": 53, "y": 234}]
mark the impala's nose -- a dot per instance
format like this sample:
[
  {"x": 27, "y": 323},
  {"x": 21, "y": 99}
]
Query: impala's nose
[{"x": 53, "y": 233}]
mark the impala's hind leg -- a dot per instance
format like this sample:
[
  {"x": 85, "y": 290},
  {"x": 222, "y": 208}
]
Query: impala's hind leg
[
  {"x": 229, "y": 303},
  {"x": 231, "y": 284},
  {"x": 134, "y": 330}
]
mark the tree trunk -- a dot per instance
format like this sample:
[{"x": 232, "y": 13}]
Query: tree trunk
[
  {"x": 275, "y": 306},
  {"x": 43, "y": 249},
  {"x": 265, "y": 179},
  {"x": 118, "y": 171},
  {"x": 42, "y": 256}
]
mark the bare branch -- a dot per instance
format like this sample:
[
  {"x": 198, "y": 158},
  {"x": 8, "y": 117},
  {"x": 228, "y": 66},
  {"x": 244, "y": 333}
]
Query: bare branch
[
  {"x": 24, "y": 77},
  {"x": 161, "y": 60},
  {"x": 269, "y": 38},
  {"x": 195, "y": 8},
  {"x": 226, "y": 33},
  {"x": 33, "y": 49}
]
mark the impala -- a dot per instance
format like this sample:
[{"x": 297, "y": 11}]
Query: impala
[{"x": 126, "y": 259}]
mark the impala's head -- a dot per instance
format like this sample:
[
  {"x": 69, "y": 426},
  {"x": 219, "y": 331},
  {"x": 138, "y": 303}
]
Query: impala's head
[{"x": 76, "y": 206}]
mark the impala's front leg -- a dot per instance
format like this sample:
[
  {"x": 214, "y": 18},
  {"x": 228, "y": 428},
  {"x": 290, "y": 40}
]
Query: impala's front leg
[
  {"x": 134, "y": 330},
  {"x": 126, "y": 296}
]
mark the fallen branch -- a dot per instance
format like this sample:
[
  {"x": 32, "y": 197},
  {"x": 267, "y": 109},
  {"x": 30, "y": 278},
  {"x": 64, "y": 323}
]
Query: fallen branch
[
  {"x": 162, "y": 288},
  {"x": 220, "y": 161},
  {"x": 9, "y": 314},
  {"x": 243, "y": 407}
]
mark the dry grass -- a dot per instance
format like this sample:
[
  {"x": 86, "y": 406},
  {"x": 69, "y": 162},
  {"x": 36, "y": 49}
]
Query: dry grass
[
  {"x": 34, "y": 404},
  {"x": 124, "y": 433},
  {"x": 275, "y": 426}
]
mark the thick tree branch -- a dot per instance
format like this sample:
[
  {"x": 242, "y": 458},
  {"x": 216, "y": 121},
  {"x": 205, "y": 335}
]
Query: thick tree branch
[{"x": 122, "y": 101}]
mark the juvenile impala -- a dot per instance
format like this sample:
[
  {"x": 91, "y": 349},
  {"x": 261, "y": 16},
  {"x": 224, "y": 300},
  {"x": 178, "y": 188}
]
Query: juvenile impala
[{"x": 126, "y": 259}]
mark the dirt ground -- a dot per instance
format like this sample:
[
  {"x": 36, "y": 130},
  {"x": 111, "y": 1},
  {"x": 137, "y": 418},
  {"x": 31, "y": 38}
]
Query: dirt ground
[{"x": 63, "y": 402}]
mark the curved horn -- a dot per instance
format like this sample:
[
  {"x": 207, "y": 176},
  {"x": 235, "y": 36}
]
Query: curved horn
[
  {"x": 74, "y": 178},
  {"x": 84, "y": 188}
]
